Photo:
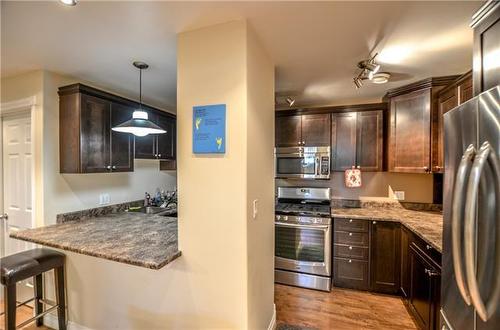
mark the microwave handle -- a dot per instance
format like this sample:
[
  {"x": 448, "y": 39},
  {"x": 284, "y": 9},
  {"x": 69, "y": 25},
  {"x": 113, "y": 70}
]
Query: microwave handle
[{"x": 316, "y": 165}]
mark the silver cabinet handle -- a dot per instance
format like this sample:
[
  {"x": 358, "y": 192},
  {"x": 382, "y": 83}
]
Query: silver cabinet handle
[
  {"x": 350, "y": 234},
  {"x": 456, "y": 220},
  {"x": 350, "y": 220},
  {"x": 427, "y": 246},
  {"x": 350, "y": 247},
  {"x": 350, "y": 260},
  {"x": 4, "y": 216},
  {"x": 486, "y": 155},
  {"x": 374, "y": 222}
]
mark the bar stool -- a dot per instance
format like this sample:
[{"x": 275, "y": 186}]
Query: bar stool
[{"x": 33, "y": 263}]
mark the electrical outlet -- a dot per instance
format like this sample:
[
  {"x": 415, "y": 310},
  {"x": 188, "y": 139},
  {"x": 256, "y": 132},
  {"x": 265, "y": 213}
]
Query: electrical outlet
[
  {"x": 104, "y": 199},
  {"x": 399, "y": 195}
]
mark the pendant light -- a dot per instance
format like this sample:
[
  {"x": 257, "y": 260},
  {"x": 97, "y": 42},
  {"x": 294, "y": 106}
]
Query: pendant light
[{"x": 139, "y": 125}]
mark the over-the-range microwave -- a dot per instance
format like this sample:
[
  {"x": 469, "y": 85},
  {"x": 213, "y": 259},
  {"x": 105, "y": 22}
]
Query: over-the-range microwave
[{"x": 302, "y": 162}]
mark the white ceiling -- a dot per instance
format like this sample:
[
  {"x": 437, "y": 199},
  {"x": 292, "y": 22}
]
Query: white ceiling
[{"x": 315, "y": 46}]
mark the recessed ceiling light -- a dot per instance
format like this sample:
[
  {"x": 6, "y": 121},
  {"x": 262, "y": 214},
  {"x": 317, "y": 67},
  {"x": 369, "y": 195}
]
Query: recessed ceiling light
[
  {"x": 380, "y": 77},
  {"x": 69, "y": 2}
]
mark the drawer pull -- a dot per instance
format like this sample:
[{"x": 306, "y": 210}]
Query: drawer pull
[
  {"x": 350, "y": 260},
  {"x": 350, "y": 220},
  {"x": 374, "y": 222},
  {"x": 428, "y": 247},
  {"x": 350, "y": 234},
  {"x": 350, "y": 247}
]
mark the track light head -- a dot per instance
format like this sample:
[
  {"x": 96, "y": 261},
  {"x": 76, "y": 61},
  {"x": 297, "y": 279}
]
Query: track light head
[{"x": 290, "y": 101}]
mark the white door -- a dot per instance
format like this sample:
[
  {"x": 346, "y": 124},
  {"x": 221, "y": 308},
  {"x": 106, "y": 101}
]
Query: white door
[{"x": 17, "y": 166}]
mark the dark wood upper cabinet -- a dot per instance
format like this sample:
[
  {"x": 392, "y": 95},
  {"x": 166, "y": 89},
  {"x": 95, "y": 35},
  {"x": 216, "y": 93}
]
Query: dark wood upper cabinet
[
  {"x": 158, "y": 146},
  {"x": 316, "y": 130},
  {"x": 288, "y": 131},
  {"x": 413, "y": 128},
  {"x": 385, "y": 257},
  {"x": 486, "y": 24},
  {"x": 357, "y": 140},
  {"x": 303, "y": 130},
  {"x": 369, "y": 140},
  {"x": 122, "y": 144},
  {"x": 449, "y": 98},
  {"x": 94, "y": 132},
  {"x": 166, "y": 143},
  {"x": 86, "y": 142},
  {"x": 145, "y": 146},
  {"x": 343, "y": 141}
]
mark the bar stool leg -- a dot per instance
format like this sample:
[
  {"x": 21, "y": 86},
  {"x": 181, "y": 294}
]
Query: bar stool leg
[
  {"x": 60, "y": 297},
  {"x": 10, "y": 306},
  {"x": 38, "y": 281}
]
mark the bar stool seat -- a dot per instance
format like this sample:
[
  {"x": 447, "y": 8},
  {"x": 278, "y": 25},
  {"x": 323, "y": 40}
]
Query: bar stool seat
[
  {"x": 32, "y": 263},
  {"x": 20, "y": 266}
]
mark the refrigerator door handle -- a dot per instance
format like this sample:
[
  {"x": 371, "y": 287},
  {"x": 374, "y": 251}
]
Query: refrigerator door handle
[
  {"x": 486, "y": 155},
  {"x": 456, "y": 220}
]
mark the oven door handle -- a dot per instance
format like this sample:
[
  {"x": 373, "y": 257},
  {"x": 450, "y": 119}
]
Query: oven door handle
[
  {"x": 308, "y": 226},
  {"x": 289, "y": 155}
]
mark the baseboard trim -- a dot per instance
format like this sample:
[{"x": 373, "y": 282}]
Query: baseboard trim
[
  {"x": 272, "y": 323},
  {"x": 50, "y": 320}
]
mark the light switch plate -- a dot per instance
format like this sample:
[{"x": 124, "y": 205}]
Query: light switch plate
[
  {"x": 104, "y": 199},
  {"x": 399, "y": 195}
]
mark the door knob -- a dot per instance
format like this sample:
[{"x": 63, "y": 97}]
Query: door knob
[{"x": 4, "y": 216}]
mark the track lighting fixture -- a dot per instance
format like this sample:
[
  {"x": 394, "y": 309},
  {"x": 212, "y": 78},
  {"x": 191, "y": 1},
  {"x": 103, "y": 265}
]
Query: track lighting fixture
[
  {"x": 290, "y": 101},
  {"x": 369, "y": 71}
]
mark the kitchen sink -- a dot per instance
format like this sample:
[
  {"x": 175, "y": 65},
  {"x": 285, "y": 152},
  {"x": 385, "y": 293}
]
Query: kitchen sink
[{"x": 155, "y": 210}]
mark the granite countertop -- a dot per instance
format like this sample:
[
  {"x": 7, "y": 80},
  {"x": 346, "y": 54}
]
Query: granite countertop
[
  {"x": 427, "y": 225},
  {"x": 133, "y": 238}
]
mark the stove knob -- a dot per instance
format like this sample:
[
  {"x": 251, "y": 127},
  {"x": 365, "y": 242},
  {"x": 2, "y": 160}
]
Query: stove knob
[
  {"x": 278, "y": 217},
  {"x": 285, "y": 217}
]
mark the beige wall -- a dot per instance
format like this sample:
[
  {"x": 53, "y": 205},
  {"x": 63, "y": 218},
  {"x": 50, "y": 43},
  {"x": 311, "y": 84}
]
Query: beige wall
[
  {"x": 260, "y": 184},
  {"x": 58, "y": 193},
  {"x": 417, "y": 187}
]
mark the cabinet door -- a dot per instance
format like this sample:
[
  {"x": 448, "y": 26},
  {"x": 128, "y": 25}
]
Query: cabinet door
[
  {"x": 122, "y": 144},
  {"x": 385, "y": 257},
  {"x": 166, "y": 142},
  {"x": 288, "y": 131},
  {"x": 95, "y": 134},
  {"x": 405, "y": 265},
  {"x": 343, "y": 141},
  {"x": 424, "y": 290},
  {"x": 369, "y": 141},
  {"x": 446, "y": 102},
  {"x": 145, "y": 146},
  {"x": 465, "y": 90},
  {"x": 316, "y": 130},
  {"x": 410, "y": 132}
]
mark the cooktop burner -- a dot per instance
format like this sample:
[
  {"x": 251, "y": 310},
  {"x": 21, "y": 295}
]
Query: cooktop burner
[{"x": 303, "y": 209}]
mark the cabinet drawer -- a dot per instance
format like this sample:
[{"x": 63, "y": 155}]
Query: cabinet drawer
[
  {"x": 350, "y": 251},
  {"x": 350, "y": 238},
  {"x": 350, "y": 273},
  {"x": 351, "y": 225}
]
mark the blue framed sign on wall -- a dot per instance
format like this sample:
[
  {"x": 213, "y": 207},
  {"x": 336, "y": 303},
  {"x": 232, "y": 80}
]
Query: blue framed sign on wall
[{"x": 209, "y": 129}]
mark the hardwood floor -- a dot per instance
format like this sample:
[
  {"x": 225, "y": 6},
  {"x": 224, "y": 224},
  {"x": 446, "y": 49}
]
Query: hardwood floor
[
  {"x": 23, "y": 313},
  {"x": 340, "y": 309}
]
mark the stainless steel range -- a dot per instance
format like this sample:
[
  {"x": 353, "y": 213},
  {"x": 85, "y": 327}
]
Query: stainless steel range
[{"x": 303, "y": 237}]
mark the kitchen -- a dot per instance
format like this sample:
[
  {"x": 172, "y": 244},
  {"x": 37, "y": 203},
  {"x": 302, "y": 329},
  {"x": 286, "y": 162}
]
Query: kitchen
[{"x": 293, "y": 191}]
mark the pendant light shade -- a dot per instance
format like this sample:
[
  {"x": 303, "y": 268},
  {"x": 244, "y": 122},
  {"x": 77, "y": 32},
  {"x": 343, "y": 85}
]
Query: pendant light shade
[{"x": 139, "y": 125}]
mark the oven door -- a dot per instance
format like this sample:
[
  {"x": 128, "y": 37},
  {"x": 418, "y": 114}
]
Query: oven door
[{"x": 303, "y": 248}]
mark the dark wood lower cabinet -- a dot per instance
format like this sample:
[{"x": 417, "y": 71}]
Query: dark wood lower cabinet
[
  {"x": 424, "y": 298},
  {"x": 387, "y": 257}
]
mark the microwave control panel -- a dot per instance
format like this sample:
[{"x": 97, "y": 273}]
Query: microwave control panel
[{"x": 325, "y": 165}]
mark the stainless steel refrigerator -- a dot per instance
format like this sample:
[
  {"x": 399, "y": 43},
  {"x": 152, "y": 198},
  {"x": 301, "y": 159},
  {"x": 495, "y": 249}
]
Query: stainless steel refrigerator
[{"x": 470, "y": 284}]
